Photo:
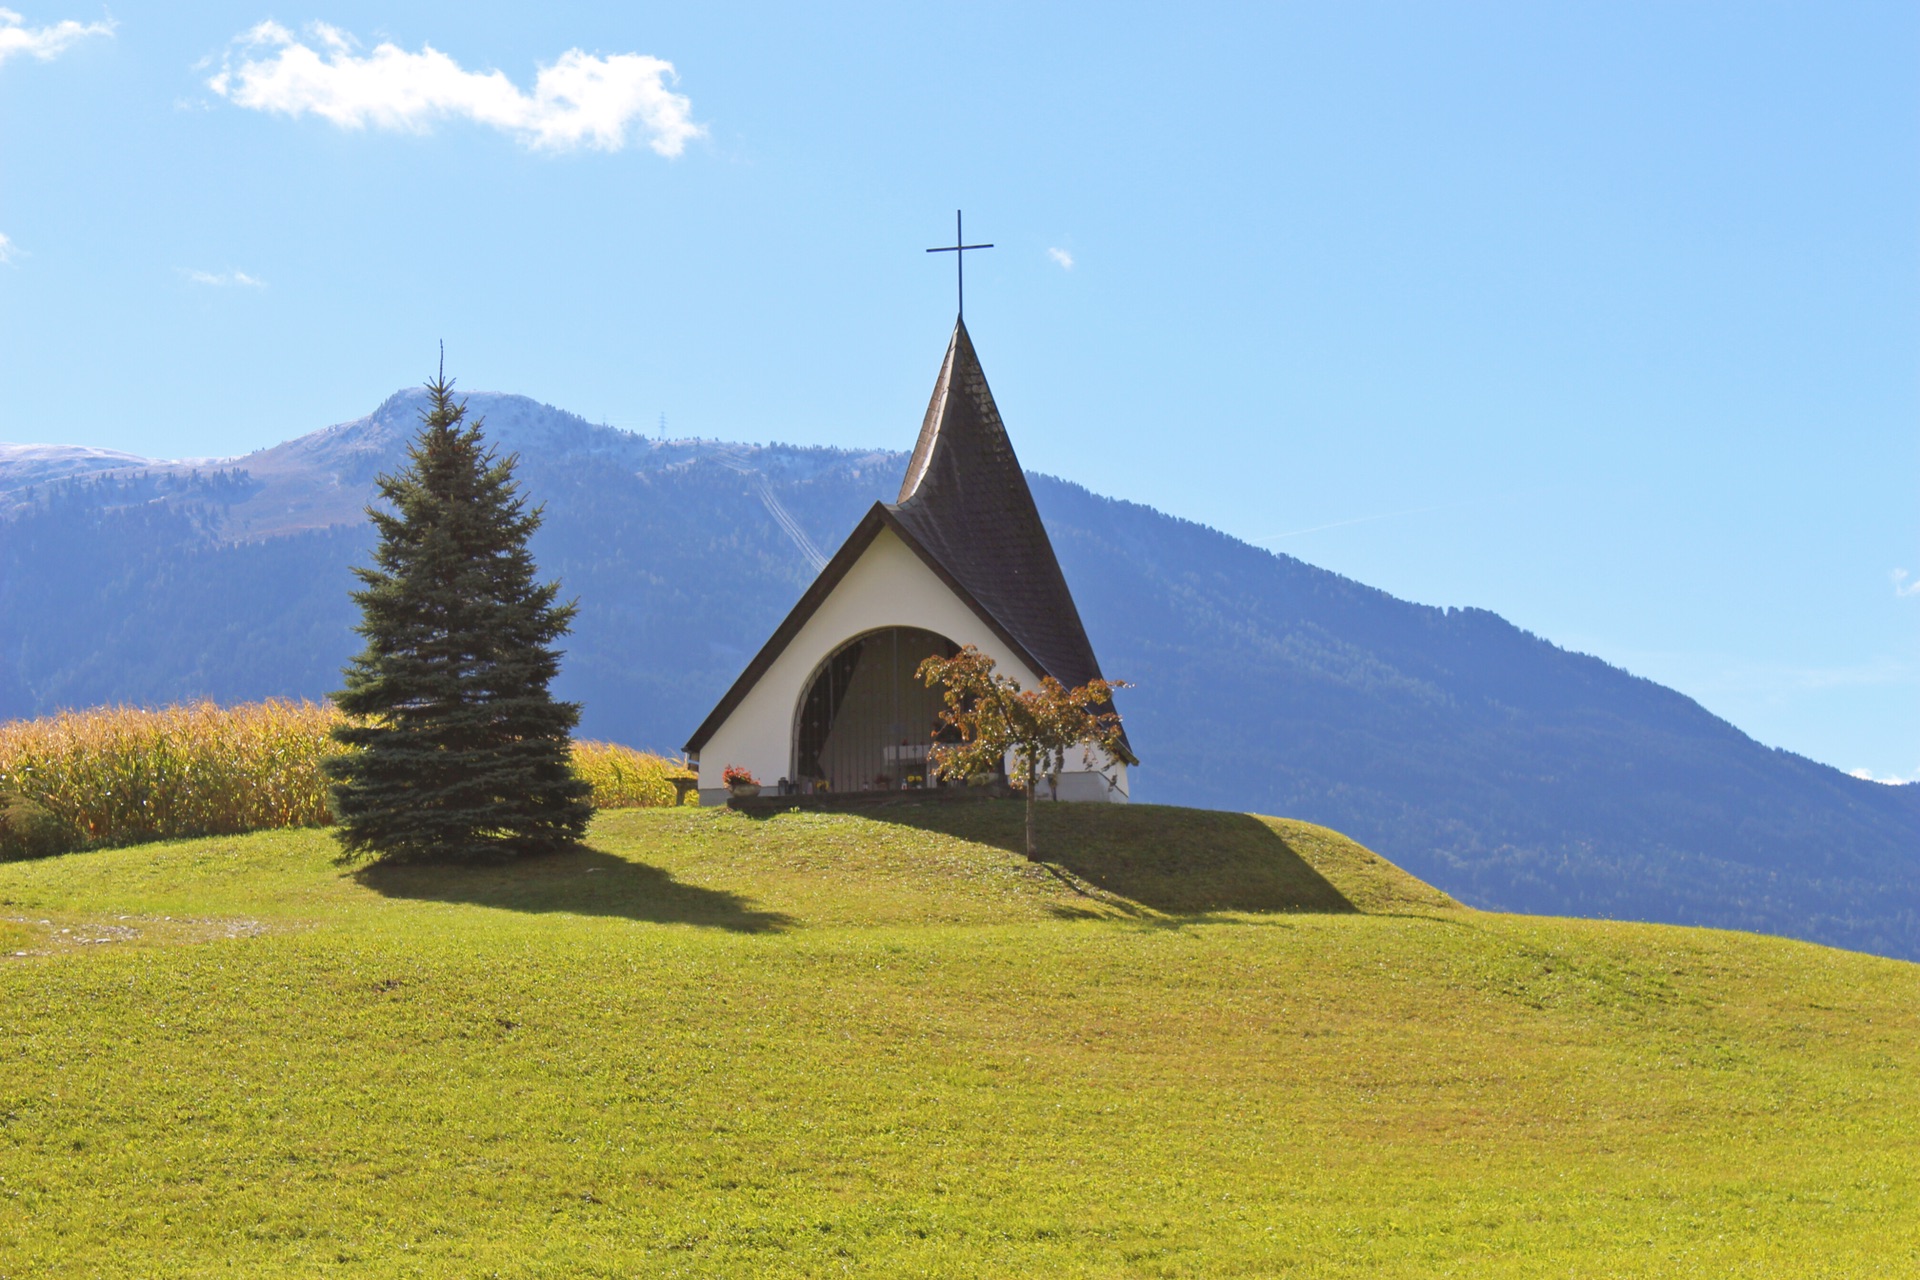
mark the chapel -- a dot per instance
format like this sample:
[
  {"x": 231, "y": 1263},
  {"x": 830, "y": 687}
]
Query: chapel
[{"x": 830, "y": 704}]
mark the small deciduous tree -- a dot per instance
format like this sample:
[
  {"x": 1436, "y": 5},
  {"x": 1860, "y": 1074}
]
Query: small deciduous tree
[
  {"x": 997, "y": 719},
  {"x": 461, "y": 750}
]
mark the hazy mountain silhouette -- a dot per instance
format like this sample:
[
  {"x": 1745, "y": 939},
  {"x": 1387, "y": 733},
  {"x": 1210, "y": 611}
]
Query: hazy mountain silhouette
[{"x": 1509, "y": 772}]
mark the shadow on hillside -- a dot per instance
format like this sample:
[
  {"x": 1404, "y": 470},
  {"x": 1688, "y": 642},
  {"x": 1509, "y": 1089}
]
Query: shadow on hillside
[
  {"x": 585, "y": 882},
  {"x": 1179, "y": 861}
]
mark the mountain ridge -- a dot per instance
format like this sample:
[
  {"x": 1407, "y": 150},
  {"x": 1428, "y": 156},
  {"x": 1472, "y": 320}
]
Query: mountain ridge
[{"x": 1508, "y": 771}]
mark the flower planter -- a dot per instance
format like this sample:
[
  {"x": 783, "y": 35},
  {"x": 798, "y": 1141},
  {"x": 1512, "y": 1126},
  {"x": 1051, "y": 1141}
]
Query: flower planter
[{"x": 745, "y": 790}]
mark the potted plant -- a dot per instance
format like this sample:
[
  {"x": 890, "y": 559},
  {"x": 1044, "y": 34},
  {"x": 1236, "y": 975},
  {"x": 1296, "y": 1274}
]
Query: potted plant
[{"x": 740, "y": 782}]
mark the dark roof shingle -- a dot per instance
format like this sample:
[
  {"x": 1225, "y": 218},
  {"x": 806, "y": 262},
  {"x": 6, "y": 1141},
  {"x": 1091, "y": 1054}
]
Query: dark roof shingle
[{"x": 966, "y": 501}]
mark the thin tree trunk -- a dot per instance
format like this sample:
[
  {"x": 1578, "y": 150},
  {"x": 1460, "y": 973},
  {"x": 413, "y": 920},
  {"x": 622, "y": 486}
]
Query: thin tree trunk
[{"x": 1033, "y": 783}]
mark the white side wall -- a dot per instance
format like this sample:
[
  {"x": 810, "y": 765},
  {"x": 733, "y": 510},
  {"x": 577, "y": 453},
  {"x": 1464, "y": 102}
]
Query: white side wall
[
  {"x": 1089, "y": 775},
  {"x": 889, "y": 586}
]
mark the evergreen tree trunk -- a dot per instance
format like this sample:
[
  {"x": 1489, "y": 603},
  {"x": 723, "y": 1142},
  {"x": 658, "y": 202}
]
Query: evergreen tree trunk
[{"x": 458, "y": 748}]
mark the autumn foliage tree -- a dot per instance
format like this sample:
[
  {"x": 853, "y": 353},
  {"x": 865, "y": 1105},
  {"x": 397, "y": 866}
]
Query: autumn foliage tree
[{"x": 1036, "y": 729}]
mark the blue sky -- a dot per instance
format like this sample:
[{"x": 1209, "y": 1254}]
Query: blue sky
[{"x": 1602, "y": 316}]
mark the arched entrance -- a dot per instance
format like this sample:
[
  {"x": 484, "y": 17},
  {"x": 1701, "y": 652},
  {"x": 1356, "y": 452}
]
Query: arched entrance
[{"x": 866, "y": 721}]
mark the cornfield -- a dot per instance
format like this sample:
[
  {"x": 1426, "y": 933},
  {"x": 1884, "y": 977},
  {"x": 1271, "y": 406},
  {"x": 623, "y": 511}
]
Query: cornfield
[
  {"x": 623, "y": 778},
  {"x": 119, "y": 775}
]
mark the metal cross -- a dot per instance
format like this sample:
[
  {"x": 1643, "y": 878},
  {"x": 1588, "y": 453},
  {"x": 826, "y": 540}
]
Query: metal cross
[{"x": 959, "y": 249}]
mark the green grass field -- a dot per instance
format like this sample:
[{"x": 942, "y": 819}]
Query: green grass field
[{"x": 1197, "y": 1044}]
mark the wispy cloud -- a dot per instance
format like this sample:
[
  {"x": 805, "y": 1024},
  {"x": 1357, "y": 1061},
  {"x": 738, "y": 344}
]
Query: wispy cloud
[
  {"x": 44, "y": 43},
  {"x": 1783, "y": 678},
  {"x": 1341, "y": 524},
  {"x": 1713, "y": 675},
  {"x": 1905, "y": 584},
  {"x": 1062, "y": 257},
  {"x": 1892, "y": 780},
  {"x": 8, "y": 250},
  {"x": 224, "y": 279},
  {"x": 579, "y": 100}
]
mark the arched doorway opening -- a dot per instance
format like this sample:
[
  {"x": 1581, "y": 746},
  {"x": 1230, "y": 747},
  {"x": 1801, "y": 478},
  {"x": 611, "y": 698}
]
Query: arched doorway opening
[{"x": 866, "y": 721}]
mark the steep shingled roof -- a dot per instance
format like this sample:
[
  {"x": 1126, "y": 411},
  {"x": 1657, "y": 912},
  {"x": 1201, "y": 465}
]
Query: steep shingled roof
[
  {"x": 966, "y": 501},
  {"x": 966, "y": 511}
]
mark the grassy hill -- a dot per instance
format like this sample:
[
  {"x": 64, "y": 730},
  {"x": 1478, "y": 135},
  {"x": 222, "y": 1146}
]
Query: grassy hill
[{"x": 1198, "y": 1044}]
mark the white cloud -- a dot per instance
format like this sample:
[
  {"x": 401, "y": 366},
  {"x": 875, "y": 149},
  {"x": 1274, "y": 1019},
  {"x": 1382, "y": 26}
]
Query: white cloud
[
  {"x": 1905, "y": 584},
  {"x": 8, "y": 250},
  {"x": 222, "y": 279},
  {"x": 1062, "y": 257},
  {"x": 1868, "y": 775},
  {"x": 44, "y": 43},
  {"x": 579, "y": 100}
]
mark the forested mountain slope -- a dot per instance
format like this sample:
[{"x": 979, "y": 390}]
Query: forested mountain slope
[{"x": 1507, "y": 771}]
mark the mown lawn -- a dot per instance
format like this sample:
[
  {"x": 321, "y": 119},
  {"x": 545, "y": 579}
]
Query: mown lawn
[{"x": 1200, "y": 1044}]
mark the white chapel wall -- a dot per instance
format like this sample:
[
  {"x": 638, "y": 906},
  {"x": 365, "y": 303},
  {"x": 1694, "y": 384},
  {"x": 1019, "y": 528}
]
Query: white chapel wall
[{"x": 889, "y": 586}]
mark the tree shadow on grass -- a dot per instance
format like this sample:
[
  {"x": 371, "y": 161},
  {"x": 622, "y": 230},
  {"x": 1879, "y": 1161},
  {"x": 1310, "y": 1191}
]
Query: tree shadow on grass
[
  {"x": 1178, "y": 861},
  {"x": 583, "y": 881}
]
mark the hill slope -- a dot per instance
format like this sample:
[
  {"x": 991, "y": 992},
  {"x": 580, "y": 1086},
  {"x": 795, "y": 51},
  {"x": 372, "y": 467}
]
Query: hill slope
[
  {"x": 1511, "y": 772},
  {"x": 1207, "y": 1045}
]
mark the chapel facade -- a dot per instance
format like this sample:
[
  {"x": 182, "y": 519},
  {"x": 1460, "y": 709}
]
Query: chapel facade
[{"x": 830, "y": 704}]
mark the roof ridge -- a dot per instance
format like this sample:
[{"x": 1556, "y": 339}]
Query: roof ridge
[{"x": 936, "y": 412}]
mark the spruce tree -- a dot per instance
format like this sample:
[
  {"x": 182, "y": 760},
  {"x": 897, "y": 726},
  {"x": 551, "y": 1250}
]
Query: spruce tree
[{"x": 462, "y": 751}]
